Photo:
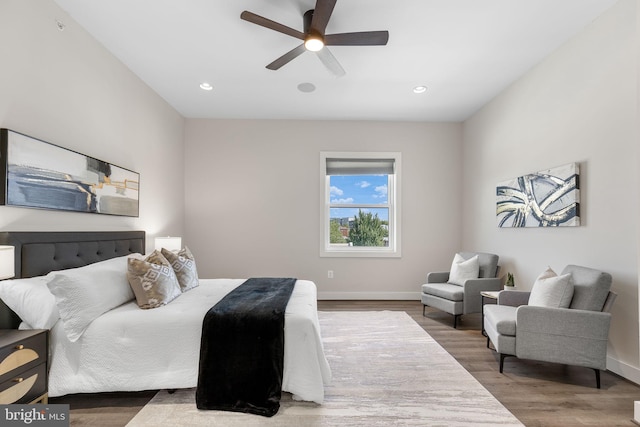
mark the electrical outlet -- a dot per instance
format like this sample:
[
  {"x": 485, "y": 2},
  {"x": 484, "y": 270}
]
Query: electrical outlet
[{"x": 330, "y": 274}]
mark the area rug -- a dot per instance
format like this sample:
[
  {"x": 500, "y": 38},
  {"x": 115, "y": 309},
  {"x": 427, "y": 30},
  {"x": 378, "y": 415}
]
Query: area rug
[{"x": 387, "y": 371}]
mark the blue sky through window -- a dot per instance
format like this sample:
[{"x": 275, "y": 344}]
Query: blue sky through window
[{"x": 358, "y": 189}]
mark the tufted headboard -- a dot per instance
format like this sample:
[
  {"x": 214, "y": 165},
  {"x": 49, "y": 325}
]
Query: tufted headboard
[{"x": 38, "y": 253}]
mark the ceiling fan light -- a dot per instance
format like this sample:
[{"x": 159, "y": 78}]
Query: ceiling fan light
[{"x": 314, "y": 44}]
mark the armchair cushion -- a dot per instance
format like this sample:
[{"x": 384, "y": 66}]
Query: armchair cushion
[
  {"x": 438, "y": 277},
  {"x": 444, "y": 290},
  {"x": 513, "y": 298},
  {"x": 463, "y": 269},
  {"x": 551, "y": 290},
  {"x": 590, "y": 287},
  {"x": 502, "y": 317},
  {"x": 488, "y": 263}
]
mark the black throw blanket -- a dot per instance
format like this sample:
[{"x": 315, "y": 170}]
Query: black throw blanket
[{"x": 242, "y": 349}]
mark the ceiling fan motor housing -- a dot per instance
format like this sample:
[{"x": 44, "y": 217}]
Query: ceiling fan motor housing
[{"x": 306, "y": 20}]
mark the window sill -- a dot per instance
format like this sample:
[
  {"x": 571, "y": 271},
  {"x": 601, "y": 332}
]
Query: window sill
[{"x": 359, "y": 254}]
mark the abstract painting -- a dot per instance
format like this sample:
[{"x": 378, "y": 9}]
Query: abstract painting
[
  {"x": 37, "y": 174},
  {"x": 550, "y": 198}
]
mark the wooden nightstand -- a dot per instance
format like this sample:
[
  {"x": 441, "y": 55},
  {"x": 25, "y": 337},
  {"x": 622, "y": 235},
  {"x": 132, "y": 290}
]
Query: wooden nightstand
[{"x": 24, "y": 366}]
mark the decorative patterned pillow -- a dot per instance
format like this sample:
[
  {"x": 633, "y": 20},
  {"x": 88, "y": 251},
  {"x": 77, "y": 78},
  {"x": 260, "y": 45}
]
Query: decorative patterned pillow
[
  {"x": 184, "y": 266},
  {"x": 462, "y": 269},
  {"x": 551, "y": 290},
  {"x": 153, "y": 281}
]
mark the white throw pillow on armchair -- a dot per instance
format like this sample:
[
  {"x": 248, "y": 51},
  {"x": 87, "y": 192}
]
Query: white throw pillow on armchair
[
  {"x": 462, "y": 270},
  {"x": 551, "y": 290}
]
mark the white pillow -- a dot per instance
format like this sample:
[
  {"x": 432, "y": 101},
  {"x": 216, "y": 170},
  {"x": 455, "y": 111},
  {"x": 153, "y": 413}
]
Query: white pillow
[
  {"x": 31, "y": 300},
  {"x": 84, "y": 293},
  {"x": 462, "y": 269},
  {"x": 551, "y": 290}
]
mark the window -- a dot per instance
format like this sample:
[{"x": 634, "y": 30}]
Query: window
[{"x": 361, "y": 204}]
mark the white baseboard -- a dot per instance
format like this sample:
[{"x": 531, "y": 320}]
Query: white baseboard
[
  {"x": 631, "y": 373},
  {"x": 405, "y": 296}
]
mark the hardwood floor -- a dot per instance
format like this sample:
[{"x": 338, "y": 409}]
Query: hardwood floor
[{"x": 537, "y": 393}]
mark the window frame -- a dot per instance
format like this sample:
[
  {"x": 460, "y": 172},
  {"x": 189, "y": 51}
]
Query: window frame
[{"x": 393, "y": 204}]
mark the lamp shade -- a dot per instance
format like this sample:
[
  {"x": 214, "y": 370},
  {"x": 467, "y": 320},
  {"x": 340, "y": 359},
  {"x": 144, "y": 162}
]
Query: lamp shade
[
  {"x": 7, "y": 262},
  {"x": 169, "y": 243}
]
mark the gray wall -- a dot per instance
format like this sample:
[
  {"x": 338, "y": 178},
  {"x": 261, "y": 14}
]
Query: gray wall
[
  {"x": 253, "y": 201},
  {"x": 65, "y": 88},
  {"x": 578, "y": 105}
]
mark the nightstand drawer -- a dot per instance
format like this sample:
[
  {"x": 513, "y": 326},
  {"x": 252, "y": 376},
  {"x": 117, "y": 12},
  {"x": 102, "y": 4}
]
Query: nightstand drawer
[
  {"x": 25, "y": 387},
  {"x": 23, "y": 354}
]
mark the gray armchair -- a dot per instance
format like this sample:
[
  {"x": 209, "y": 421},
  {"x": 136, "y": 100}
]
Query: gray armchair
[
  {"x": 458, "y": 300},
  {"x": 576, "y": 335}
]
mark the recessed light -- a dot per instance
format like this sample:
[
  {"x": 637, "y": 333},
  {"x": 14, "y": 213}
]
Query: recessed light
[
  {"x": 206, "y": 86},
  {"x": 419, "y": 89},
  {"x": 306, "y": 87}
]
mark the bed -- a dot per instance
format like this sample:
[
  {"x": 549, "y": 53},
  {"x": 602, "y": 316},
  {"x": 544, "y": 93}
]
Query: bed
[{"x": 127, "y": 348}]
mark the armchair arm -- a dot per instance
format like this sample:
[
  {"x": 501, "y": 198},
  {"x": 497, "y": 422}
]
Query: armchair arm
[
  {"x": 438, "y": 277},
  {"x": 562, "y": 335},
  {"x": 513, "y": 298},
  {"x": 472, "y": 300}
]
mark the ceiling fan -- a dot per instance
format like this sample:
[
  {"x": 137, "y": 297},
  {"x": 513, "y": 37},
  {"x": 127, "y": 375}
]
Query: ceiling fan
[{"x": 314, "y": 24}]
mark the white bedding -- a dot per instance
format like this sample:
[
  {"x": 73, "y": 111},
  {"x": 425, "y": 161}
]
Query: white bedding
[{"x": 130, "y": 349}]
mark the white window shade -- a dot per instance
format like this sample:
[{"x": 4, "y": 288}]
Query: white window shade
[{"x": 360, "y": 166}]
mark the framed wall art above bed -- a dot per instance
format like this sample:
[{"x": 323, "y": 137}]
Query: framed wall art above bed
[{"x": 38, "y": 174}]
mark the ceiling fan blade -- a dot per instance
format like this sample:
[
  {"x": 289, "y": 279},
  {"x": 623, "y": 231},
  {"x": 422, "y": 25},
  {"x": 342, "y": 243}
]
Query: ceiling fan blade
[
  {"x": 330, "y": 62},
  {"x": 272, "y": 25},
  {"x": 284, "y": 59},
  {"x": 321, "y": 15},
  {"x": 364, "y": 38}
]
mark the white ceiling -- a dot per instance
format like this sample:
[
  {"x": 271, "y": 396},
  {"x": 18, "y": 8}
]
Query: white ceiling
[{"x": 464, "y": 51}]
